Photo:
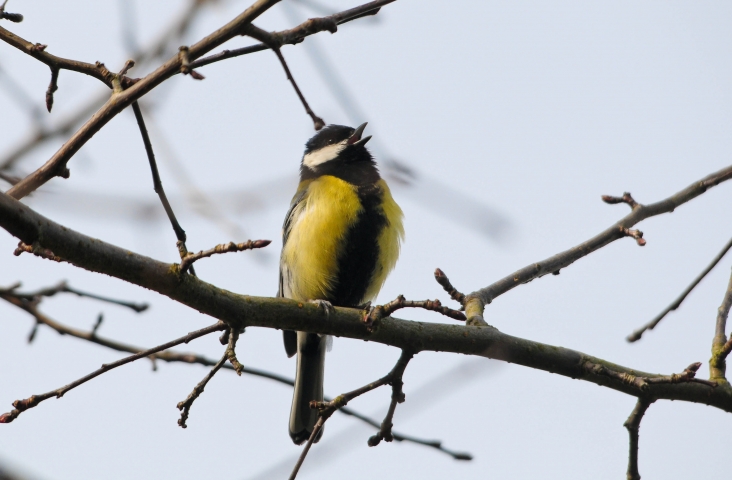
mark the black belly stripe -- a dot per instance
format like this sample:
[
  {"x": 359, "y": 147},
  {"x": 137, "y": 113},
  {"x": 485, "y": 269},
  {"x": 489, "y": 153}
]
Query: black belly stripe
[{"x": 358, "y": 260}]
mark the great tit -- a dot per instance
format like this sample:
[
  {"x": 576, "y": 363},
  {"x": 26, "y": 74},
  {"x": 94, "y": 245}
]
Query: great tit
[{"x": 340, "y": 240}]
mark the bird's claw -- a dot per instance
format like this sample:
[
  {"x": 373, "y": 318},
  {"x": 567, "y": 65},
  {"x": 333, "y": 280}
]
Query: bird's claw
[{"x": 325, "y": 305}]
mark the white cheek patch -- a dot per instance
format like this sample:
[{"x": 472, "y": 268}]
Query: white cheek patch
[{"x": 325, "y": 154}]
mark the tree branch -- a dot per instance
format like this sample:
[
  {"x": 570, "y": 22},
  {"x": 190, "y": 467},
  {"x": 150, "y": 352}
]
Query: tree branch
[
  {"x": 185, "y": 405},
  {"x": 721, "y": 347},
  {"x": 478, "y": 299},
  {"x": 188, "y": 260},
  {"x": 327, "y": 408},
  {"x": 636, "y": 335},
  {"x": 22, "y": 301},
  {"x": 633, "y": 426},
  {"x": 34, "y": 400},
  {"x": 240, "y": 310},
  {"x": 56, "y": 165}
]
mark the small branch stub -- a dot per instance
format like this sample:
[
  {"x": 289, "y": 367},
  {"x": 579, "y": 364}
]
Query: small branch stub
[
  {"x": 626, "y": 198},
  {"x": 636, "y": 234},
  {"x": 447, "y": 286},
  {"x": 185, "y": 64}
]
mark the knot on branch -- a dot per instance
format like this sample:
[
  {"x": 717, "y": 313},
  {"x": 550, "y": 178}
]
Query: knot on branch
[
  {"x": 38, "y": 47},
  {"x": 23, "y": 405},
  {"x": 185, "y": 64},
  {"x": 36, "y": 250}
]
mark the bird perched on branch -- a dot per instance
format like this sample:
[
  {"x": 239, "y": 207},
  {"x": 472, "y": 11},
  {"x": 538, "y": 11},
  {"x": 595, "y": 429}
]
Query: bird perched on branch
[{"x": 340, "y": 240}]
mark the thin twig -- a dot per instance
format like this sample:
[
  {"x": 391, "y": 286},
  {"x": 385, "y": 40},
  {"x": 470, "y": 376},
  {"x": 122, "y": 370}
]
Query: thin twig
[
  {"x": 188, "y": 260},
  {"x": 637, "y": 334},
  {"x": 721, "y": 346},
  {"x": 180, "y": 234},
  {"x": 381, "y": 311},
  {"x": 633, "y": 426},
  {"x": 476, "y": 301},
  {"x": 7, "y": 293},
  {"x": 185, "y": 405},
  {"x": 642, "y": 383},
  {"x": 63, "y": 287},
  {"x": 274, "y": 43},
  {"x": 327, "y": 408},
  {"x": 316, "y": 429},
  {"x": 33, "y": 400},
  {"x": 231, "y": 351},
  {"x": 442, "y": 279}
]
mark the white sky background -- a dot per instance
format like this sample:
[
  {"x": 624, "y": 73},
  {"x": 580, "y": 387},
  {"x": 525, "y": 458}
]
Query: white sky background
[{"x": 533, "y": 108}]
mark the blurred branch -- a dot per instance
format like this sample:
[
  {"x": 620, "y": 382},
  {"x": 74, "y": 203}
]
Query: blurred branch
[
  {"x": 56, "y": 165},
  {"x": 476, "y": 301},
  {"x": 63, "y": 287},
  {"x": 244, "y": 311},
  {"x": 636, "y": 335}
]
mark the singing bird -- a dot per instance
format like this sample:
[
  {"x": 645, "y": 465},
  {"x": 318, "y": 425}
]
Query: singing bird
[{"x": 340, "y": 240}]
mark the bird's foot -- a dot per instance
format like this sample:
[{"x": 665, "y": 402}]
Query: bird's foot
[{"x": 325, "y": 305}]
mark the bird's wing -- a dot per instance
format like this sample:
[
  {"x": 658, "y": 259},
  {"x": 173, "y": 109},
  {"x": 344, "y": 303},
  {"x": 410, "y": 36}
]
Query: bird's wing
[{"x": 289, "y": 336}]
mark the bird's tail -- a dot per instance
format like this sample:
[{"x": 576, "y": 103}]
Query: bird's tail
[{"x": 308, "y": 385}]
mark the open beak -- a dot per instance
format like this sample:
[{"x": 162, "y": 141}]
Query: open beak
[{"x": 356, "y": 139}]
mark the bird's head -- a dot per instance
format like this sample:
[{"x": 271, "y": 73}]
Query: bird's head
[{"x": 336, "y": 144}]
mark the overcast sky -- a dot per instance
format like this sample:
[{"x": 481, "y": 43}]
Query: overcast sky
[{"x": 531, "y": 110}]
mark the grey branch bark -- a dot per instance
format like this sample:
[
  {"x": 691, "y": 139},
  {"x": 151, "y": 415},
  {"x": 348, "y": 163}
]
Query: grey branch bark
[{"x": 248, "y": 311}]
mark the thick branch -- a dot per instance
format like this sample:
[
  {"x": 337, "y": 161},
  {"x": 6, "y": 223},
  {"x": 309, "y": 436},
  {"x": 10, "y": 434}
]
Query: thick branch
[
  {"x": 241, "y": 310},
  {"x": 619, "y": 230},
  {"x": 636, "y": 335}
]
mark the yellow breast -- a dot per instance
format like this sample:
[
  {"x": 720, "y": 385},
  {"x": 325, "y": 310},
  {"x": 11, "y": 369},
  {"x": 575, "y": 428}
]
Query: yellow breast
[{"x": 319, "y": 224}]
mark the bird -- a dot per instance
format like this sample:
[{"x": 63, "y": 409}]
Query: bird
[{"x": 340, "y": 240}]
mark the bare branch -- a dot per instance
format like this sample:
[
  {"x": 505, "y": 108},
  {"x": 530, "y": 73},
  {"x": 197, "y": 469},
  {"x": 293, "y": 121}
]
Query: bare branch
[
  {"x": 13, "y": 17},
  {"x": 720, "y": 345},
  {"x": 221, "y": 248},
  {"x": 63, "y": 287},
  {"x": 180, "y": 234},
  {"x": 636, "y": 335},
  {"x": 478, "y": 299},
  {"x": 642, "y": 382},
  {"x": 380, "y": 311},
  {"x": 122, "y": 99},
  {"x": 237, "y": 310},
  {"x": 27, "y": 304},
  {"x": 231, "y": 351},
  {"x": 327, "y": 408},
  {"x": 633, "y": 426},
  {"x": 274, "y": 43},
  {"x": 33, "y": 400},
  {"x": 442, "y": 279},
  {"x": 185, "y": 405},
  {"x": 627, "y": 198}
]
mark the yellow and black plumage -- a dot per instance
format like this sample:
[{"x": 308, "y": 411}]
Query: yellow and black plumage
[{"x": 341, "y": 239}]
